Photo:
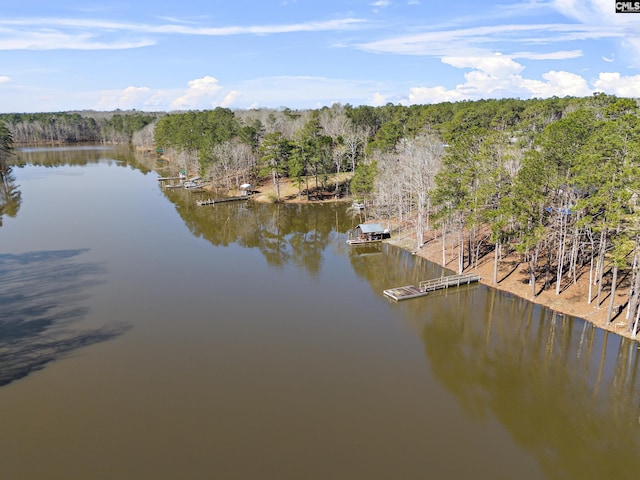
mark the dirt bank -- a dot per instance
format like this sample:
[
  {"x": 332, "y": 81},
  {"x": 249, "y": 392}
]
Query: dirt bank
[
  {"x": 513, "y": 277},
  {"x": 512, "y": 273},
  {"x": 290, "y": 193}
]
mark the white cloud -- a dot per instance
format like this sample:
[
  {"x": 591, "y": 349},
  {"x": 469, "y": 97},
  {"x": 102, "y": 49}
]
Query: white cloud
[
  {"x": 130, "y": 97},
  {"x": 499, "y": 77},
  {"x": 5, "y": 79},
  {"x": 558, "y": 84},
  {"x": 175, "y": 27},
  {"x": 614, "y": 83},
  {"x": 52, "y": 40},
  {"x": 481, "y": 40},
  {"x": 96, "y": 34},
  {"x": 601, "y": 13},
  {"x": 559, "y": 55},
  {"x": 379, "y": 99},
  {"x": 230, "y": 98},
  {"x": 207, "y": 92},
  {"x": 202, "y": 93},
  {"x": 496, "y": 65},
  {"x": 433, "y": 95},
  {"x": 590, "y": 11},
  {"x": 381, "y": 3}
]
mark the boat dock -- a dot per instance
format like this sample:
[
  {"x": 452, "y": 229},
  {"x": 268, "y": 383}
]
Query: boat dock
[
  {"x": 162, "y": 179},
  {"x": 213, "y": 201},
  {"x": 426, "y": 286}
]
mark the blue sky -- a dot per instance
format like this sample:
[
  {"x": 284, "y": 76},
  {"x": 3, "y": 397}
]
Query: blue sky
[{"x": 178, "y": 55}]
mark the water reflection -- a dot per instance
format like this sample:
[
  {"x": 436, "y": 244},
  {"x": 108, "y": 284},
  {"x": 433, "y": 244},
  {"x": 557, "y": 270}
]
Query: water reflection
[
  {"x": 563, "y": 389},
  {"x": 10, "y": 196},
  {"x": 118, "y": 155},
  {"x": 286, "y": 234},
  {"x": 385, "y": 266},
  {"x": 41, "y": 296}
]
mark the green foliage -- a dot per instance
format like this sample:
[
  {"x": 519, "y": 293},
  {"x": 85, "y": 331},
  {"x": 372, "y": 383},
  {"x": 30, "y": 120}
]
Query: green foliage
[
  {"x": 196, "y": 131},
  {"x": 363, "y": 179},
  {"x": 274, "y": 154},
  {"x": 6, "y": 144},
  {"x": 251, "y": 134},
  {"x": 127, "y": 125}
]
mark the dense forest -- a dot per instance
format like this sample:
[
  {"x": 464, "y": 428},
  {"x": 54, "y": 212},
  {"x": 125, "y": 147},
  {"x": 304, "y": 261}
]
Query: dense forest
[
  {"x": 555, "y": 180},
  {"x": 77, "y": 127}
]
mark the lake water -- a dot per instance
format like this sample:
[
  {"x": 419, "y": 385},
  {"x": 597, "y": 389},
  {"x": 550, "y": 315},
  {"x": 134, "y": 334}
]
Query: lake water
[{"x": 142, "y": 336}]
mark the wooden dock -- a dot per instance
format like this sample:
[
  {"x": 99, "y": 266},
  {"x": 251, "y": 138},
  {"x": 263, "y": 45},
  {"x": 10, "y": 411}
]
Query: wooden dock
[
  {"x": 213, "y": 201},
  {"x": 162, "y": 179},
  {"x": 426, "y": 286}
]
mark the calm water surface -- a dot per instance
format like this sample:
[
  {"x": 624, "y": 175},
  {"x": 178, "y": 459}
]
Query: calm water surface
[{"x": 144, "y": 337}]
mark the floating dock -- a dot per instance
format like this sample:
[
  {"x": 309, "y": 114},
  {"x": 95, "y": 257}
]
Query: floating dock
[{"x": 426, "y": 286}]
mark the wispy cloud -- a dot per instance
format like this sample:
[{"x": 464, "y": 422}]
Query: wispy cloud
[
  {"x": 483, "y": 40},
  {"x": 559, "y": 55},
  {"x": 51, "y": 40},
  {"x": 93, "y": 34}
]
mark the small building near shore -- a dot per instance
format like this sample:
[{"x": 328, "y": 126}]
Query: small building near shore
[
  {"x": 247, "y": 189},
  {"x": 368, "y": 233}
]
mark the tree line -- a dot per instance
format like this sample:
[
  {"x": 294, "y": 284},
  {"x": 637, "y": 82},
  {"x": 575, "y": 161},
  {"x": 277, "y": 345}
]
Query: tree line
[
  {"x": 76, "y": 127},
  {"x": 555, "y": 180}
]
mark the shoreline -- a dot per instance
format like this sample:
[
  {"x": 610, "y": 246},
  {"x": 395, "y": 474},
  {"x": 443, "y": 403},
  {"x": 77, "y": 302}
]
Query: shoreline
[
  {"x": 513, "y": 279},
  {"x": 512, "y": 275}
]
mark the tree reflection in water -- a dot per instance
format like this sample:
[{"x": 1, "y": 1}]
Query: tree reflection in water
[
  {"x": 285, "y": 234},
  {"x": 41, "y": 296},
  {"x": 10, "y": 196},
  {"x": 564, "y": 389}
]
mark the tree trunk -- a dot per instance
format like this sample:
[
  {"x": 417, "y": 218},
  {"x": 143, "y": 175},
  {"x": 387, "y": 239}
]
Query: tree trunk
[
  {"x": 613, "y": 292},
  {"x": 575, "y": 247},
  {"x": 533, "y": 263},
  {"x": 444, "y": 244},
  {"x": 496, "y": 252},
  {"x": 276, "y": 182},
  {"x": 634, "y": 291},
  {"x": 561, "y": 253},
  {"x": 461, "y": 250},
  {"x": 600, "y": 264},
  {"x": 590, "y": 280}
]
